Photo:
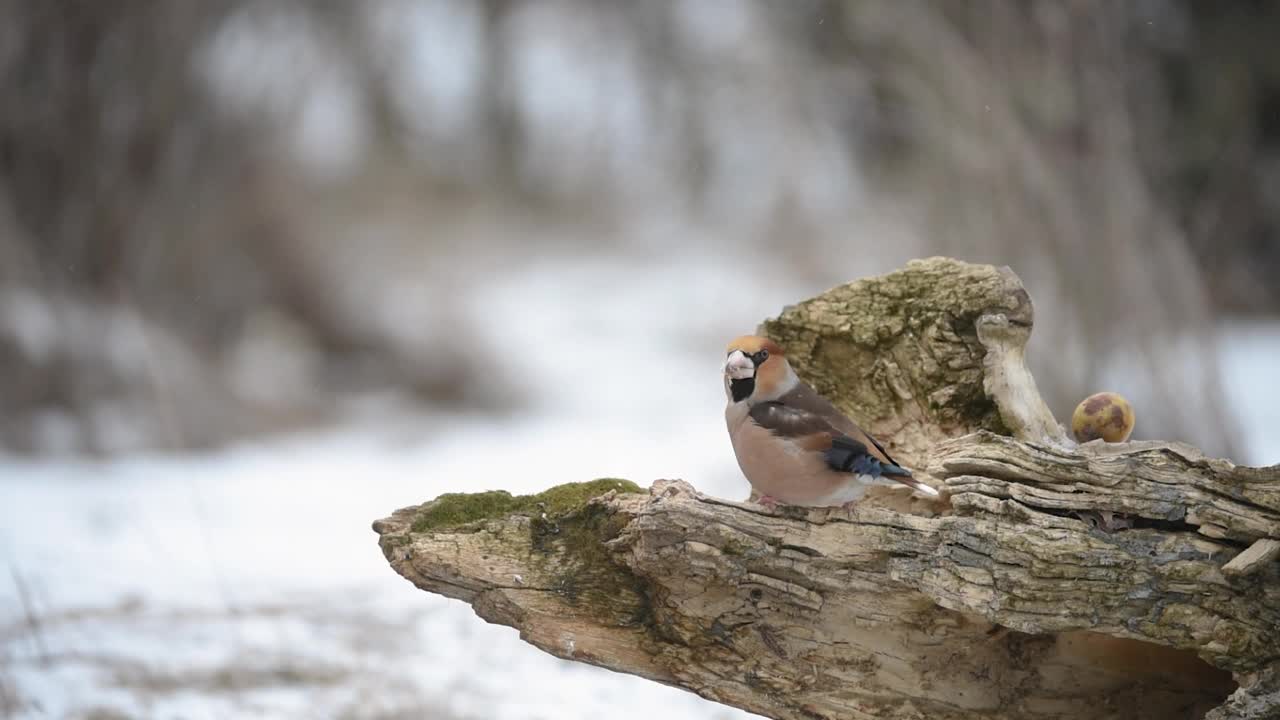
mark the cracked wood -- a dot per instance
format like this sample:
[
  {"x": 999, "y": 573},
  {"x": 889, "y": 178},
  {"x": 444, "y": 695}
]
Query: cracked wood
[{"x": 1051, "y": 581}]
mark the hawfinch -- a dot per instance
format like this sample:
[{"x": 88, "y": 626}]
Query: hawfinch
[{"x": 793, "y": 445}]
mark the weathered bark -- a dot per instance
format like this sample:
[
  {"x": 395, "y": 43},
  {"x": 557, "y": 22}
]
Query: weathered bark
[
  {"x": 901, "y": 353},
  {"x": 1051, "y": 581}
]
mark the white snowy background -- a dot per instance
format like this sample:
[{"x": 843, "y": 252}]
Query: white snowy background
[{"x": 247, "y": 582}]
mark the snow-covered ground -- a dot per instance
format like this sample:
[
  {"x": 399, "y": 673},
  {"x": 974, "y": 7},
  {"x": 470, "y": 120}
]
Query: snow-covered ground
[
  {"x": 247, "y": 582},
  {"x": 1250, "y": 353}
]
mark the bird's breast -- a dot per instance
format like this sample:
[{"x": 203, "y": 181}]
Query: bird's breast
[{"x": 784, "y": 470}]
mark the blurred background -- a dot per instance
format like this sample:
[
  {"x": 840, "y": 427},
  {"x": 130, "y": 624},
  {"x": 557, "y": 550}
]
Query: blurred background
[{"x": 270, "y": 269}]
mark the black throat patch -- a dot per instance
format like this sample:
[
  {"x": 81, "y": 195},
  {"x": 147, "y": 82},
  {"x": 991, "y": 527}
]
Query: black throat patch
[{"x": 742, "y": 388}]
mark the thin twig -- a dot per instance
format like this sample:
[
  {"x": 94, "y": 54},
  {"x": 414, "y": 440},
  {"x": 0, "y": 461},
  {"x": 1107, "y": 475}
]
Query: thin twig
[{"x": 30, "y": 615}]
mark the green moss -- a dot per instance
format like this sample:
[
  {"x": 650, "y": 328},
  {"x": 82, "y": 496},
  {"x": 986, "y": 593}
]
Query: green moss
[
  {"x": 858, "y": 344},
  {"x": 560, "y": 539},
  {"x": 571, "y": 549},
  {"x": 457, "y": 509},
  {"x": 570, "y": 496}
]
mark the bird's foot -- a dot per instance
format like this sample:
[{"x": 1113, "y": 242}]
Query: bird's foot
[
  {"x": 849, "y": 505},
  {"x": 768, "y": 501}
]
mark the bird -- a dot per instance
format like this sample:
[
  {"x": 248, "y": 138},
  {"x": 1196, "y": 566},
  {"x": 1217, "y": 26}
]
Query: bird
[{"x": 792, "y": 444}]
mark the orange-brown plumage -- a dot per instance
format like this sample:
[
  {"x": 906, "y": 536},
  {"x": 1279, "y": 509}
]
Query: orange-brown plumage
[
  {"x": 770, "y": 374},
  {"x": 751, "y": 344}
]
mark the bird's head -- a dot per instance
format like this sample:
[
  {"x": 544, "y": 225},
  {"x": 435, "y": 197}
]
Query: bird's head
[{"x": 756, "y": 370}]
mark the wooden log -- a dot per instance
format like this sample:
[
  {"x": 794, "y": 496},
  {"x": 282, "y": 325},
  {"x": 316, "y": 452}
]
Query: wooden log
[{"x": 1050, "y": 580}]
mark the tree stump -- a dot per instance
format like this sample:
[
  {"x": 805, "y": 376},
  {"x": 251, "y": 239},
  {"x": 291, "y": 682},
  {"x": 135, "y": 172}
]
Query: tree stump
[{"x": 1133, "y": 580}]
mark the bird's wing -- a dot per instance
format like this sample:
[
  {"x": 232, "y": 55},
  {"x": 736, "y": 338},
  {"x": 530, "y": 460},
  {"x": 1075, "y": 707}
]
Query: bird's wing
[
  {"x": 795, "y": 424},
  {"x": 803, "y": 397},
  {"x": 814, "y": 432}
]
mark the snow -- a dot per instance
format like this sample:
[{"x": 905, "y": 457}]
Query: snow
[
  {"x": 1249, "y": 352},
  {"x": 248, "y": 583}
]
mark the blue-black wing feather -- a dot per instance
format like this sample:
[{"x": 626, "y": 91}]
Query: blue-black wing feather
[
  {"x": 842, "y": 452},
  {"x": 849, "y": 455}
]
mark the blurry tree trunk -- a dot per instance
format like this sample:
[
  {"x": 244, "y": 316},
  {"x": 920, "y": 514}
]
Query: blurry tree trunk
[
  {"x": 1052, "y": 581},
  {"x": 122, "y": 238},
  {"x": 1033, "y": 134},
  {"x": 110, "y": 147},
  {"x": 146, "y": 239},
  {"x": 1041, "y": 134}
]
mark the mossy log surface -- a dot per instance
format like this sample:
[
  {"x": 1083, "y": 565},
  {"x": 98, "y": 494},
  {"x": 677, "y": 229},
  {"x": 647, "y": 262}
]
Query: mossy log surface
[
  {"x": 1050, "y": 581},
  {"x": 905, "y": 354}
]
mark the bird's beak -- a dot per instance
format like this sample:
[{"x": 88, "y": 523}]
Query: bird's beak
[{"x": 738, "y": 366}]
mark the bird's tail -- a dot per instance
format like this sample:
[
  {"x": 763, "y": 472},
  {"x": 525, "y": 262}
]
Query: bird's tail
[
  {"x": 903, "y": 475},
  {"x": 853, "y": 457}
]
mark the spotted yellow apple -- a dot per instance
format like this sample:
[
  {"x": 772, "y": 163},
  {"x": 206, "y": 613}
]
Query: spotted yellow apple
[{"x": 1105, "y": 415}]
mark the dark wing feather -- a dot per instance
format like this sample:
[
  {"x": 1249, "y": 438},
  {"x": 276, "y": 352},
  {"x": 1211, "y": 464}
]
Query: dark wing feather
[
  {"x": 849, "y": 455},
  {"x": 842, "y": 452},
  {"x": 789, "y": 422},
  {"x": 803, "y": 397}
]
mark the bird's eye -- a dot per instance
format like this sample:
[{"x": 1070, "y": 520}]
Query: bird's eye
[{"x": 760, "y": 356}]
